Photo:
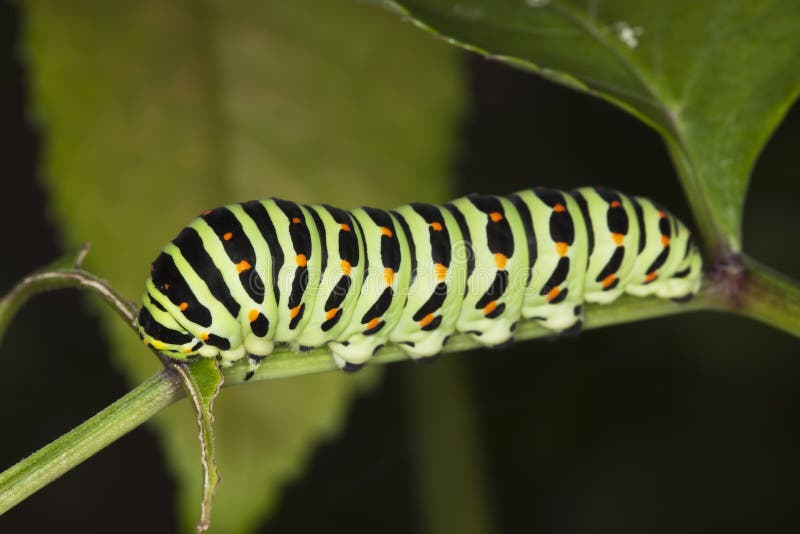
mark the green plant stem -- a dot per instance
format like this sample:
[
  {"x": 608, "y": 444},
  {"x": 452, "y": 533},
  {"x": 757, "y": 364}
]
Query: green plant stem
[
  {"x": 770, "y": 297},
  {"x": 61, "y": 455},
  {"x": 285, "y": 363},
  {"x": 164, "y": 388},
  {"x": 749, "y": 289},
  {"x": 58, "y": 279},
  {"x": 715, "y": 239}
]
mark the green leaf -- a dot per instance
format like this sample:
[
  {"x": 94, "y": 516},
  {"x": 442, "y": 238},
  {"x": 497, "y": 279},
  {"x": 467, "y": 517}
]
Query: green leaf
[
  {"x": 153, "y": 111},
  {"x": 202, "y": 381},
  {"x": 713, "y": 77}
]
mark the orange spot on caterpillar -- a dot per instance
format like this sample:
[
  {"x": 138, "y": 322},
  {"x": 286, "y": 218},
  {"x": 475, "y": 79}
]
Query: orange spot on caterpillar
[
  {"x": 388, "y": 276},
  {"x": 661, "y": 214},
  {"x": 553, "y": 293},
  {"x": 227, "y": 236},
  {"x": 294, "y": 311},
  {"x": 373, "y": 323},
  {"x": 496, "y": 216},
  {"x": 441, "y": 271},
  {"x": 296, "y": 220},
  {"x": 608, "y": 280},
  {"x": 500, "y": 260},
  {"x": 426, "y": 320},
  {"x": 489, "y": 308},
  {"x": 558, "y": 208},
  {"x": 345, "y": 227},
  {"x": 207, "y": 212},
  {"x": 204, "y": 336},
  {"x": 183, "y": 306},
  {"x": 664, "y": 240},
  {"x": 166, "y": 286},
  {"x": 615, "y": 204},
  {"x": 242, "y": 266},
  {"x": 301, "y": 260},
  {"x": 562, "y": 248},
  {"x": 651, "y": 276},
  {"x": 346, "y": 267},
  {"x": 436, "y": 226},
  {"x": 617, "y": 238},
  {"x": 252, "y": 315},
  {"x": 385, "y": 231},
  {"x": 186, "y": 350},
  {"x": 330, "y": 314}
]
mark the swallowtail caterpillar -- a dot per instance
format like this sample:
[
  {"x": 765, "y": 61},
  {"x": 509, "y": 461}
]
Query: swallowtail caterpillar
[{"x": 240, "y": 278}]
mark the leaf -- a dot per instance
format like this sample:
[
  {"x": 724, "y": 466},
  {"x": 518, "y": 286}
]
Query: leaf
[
  {"x": 202, "y": 381},
  {"x": 154, "y": 111},
  {"x": 714, "y": 78}
]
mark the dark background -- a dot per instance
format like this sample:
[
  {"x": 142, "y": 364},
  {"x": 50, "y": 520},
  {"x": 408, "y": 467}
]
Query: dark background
[{"x": 684, "y": 424}]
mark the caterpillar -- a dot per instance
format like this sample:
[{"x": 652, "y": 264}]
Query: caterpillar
[{"x": 242, "y": 277}]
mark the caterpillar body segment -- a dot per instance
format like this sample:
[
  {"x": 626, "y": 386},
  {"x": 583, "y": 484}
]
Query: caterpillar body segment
[
  {"x": 240, "y": 278},
  {"x": 438, "y": 263},
  {"x": 379, "y": 304},
  {"x": 559, "y": 256}
]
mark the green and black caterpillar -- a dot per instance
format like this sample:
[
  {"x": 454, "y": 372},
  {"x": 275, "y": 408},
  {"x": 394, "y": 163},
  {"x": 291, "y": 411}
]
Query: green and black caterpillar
[{"x": 240, "y": 278}]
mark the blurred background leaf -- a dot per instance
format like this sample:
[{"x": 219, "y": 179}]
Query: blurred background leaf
[
  {"x": 155, "y": 111},
  {"x": 715, "y": 78}
]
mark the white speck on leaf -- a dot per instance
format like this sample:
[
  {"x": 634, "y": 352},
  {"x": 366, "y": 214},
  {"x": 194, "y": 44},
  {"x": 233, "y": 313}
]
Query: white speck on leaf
[
  {"x": 628, "y": 34},
  {"x": 537, "y": 3}
]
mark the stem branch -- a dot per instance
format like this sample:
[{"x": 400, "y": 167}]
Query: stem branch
[
  {"x": 771, "y": 298},
  {"x": 746, "y": 287},
  {"x": 283, "y": 362},
  {"x": 62, "y": 277},
  {"x": 61, "y": 455}
]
